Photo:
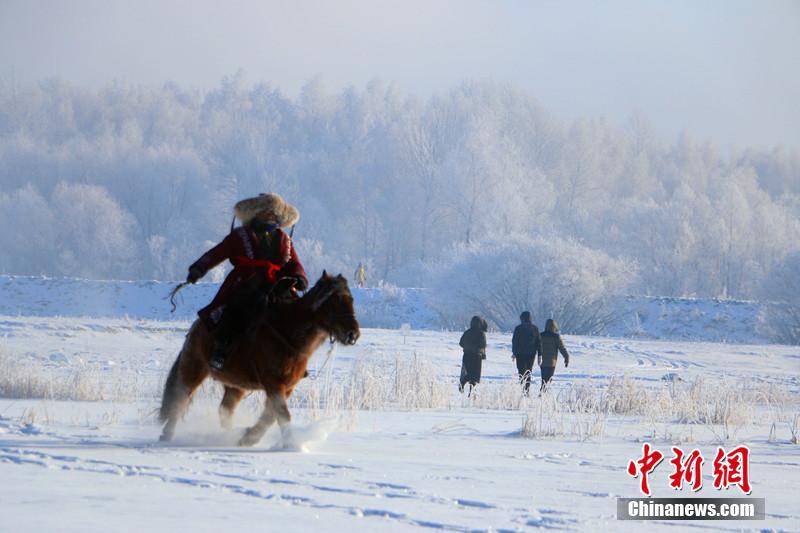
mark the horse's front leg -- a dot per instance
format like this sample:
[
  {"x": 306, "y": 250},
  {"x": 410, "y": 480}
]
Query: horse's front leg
[
  {"x": 229, "y": 402},
  {"x": 281, "y": 410},
  {"x": 254, "y": 433}
]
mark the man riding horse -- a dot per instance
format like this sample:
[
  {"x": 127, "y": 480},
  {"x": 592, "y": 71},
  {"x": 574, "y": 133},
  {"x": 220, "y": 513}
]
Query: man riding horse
[{"x": 266, "y": 268}]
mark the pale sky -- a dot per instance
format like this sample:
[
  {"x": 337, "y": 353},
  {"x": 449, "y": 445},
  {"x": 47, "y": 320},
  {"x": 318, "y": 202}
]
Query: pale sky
[{"x": 723, "y": 70}]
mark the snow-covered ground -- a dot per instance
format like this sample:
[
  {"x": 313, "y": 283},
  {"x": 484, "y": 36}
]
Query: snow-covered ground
[{"x": 91, "y": 461}]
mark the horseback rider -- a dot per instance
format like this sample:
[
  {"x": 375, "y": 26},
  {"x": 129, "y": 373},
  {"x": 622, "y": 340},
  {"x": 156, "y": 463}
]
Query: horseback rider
[{"x": 266, "y": 267}]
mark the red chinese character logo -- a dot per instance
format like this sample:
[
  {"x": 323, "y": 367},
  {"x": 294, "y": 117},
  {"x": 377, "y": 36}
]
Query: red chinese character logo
[
  {"x": 688, "y": 470},
  {"x": 732, "y": 468},
  {"x": 646, "y": 464}
]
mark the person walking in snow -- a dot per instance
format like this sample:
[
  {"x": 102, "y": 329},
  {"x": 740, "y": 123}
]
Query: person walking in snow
[
  {"x": 473, "y": 341},
  {"x": 525, "y": 346},
  {"x": 551, "y": 345},
  {"x": 265, "y": 266},
  {"x": 361, "y": 275}
]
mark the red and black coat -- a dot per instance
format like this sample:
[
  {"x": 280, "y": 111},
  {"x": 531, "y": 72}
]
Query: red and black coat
[{"x": 268, "y": 254}]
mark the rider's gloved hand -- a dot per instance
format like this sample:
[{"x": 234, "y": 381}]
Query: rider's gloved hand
[
  {"x": 194, "y": 274},
  {"x": 300, "y": 284},
  {"x": 283, "y": 287}
]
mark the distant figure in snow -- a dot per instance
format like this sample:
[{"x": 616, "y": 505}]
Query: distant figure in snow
[
  {"x": 551, "y": 344},
  {"x": 525, "y": 346},
  {"x": 265, "y": 264},
  {"x": 473, "y": 341},
  {"x": 361, "y": 275}
]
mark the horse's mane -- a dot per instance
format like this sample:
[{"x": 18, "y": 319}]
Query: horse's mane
[{"x": 334, "y": 284}]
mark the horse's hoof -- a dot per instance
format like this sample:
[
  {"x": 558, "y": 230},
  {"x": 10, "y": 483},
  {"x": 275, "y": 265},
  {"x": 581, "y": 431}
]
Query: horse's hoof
[
  {"x": 248, "y": 440},
  {"x": 164, "y": 438},
  {"x": 293, "y": 446}
]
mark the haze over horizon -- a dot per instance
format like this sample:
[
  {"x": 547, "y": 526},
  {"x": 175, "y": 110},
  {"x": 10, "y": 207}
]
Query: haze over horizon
[{"x": 724, "y": 71}]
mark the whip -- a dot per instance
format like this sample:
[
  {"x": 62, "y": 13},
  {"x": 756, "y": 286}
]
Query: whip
[{"x": 174, "y": 293}]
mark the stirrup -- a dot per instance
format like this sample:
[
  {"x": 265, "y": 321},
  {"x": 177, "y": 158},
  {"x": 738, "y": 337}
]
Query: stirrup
[{"x": 217, "y": 360}]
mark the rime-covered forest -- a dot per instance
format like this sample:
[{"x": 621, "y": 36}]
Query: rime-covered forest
[{"x": 476, "y": 189}]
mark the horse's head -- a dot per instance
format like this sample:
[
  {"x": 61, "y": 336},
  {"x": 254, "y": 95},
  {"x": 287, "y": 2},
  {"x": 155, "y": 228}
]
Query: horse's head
[{"x": 331, "y": 301}]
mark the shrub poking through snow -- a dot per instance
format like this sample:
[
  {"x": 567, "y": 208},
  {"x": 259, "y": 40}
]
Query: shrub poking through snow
[
  {"x": 22, "y": 382},
  {"x": 557, "y": 278},
  {"x": 722, "y": 407}
]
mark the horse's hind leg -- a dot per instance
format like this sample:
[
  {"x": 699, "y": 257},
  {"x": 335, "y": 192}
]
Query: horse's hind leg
[
  {"x": 254, "y": 433},
  {"x": 230, "y": 400},
  {"x": 181, "y": 384}
]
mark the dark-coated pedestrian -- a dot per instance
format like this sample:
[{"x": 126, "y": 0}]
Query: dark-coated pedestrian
[
  {"x": 473, "y": 341},
  {"x": 525, "y": 346},
  {"x": 551, "y": 345}
]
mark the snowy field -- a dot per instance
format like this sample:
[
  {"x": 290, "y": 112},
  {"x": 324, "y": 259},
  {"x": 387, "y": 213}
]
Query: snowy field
[{"x": 389, "y": 444}]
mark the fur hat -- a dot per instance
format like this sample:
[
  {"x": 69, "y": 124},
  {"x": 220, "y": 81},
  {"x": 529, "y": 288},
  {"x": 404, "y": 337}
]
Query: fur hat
[{"x": 286, "y": 214}]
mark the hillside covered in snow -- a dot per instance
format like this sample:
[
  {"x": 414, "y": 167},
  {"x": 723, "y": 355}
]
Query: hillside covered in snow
[{"x": 652, "y": 318}]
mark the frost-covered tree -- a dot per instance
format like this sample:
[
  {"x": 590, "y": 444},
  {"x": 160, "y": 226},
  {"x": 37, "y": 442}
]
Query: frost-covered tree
[
  {"x": 93, "y": 235},
  {"x": 498, "y": 278},
  {"x": 315, "y": 259},
  {"x": 385, "y": 178},
  {"x": 28, "y": 235},
  {"x": 781, "y": 288}
]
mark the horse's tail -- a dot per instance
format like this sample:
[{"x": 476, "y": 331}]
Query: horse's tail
[{"x": 169, "y": 391}]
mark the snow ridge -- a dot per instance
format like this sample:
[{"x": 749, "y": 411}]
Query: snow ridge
[{"x": 655, "y": 318}]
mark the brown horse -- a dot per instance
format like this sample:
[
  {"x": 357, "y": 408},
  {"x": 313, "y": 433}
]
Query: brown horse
[{"x": 272, "y": 356}]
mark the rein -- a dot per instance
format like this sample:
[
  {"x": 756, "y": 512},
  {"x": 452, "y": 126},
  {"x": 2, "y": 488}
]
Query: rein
[
  {"x": 289, "y": 345},
  {"x": 331, "y": 348},
  {"x": 327, "y": 358},
  {"x": 280, "y": 336}
]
